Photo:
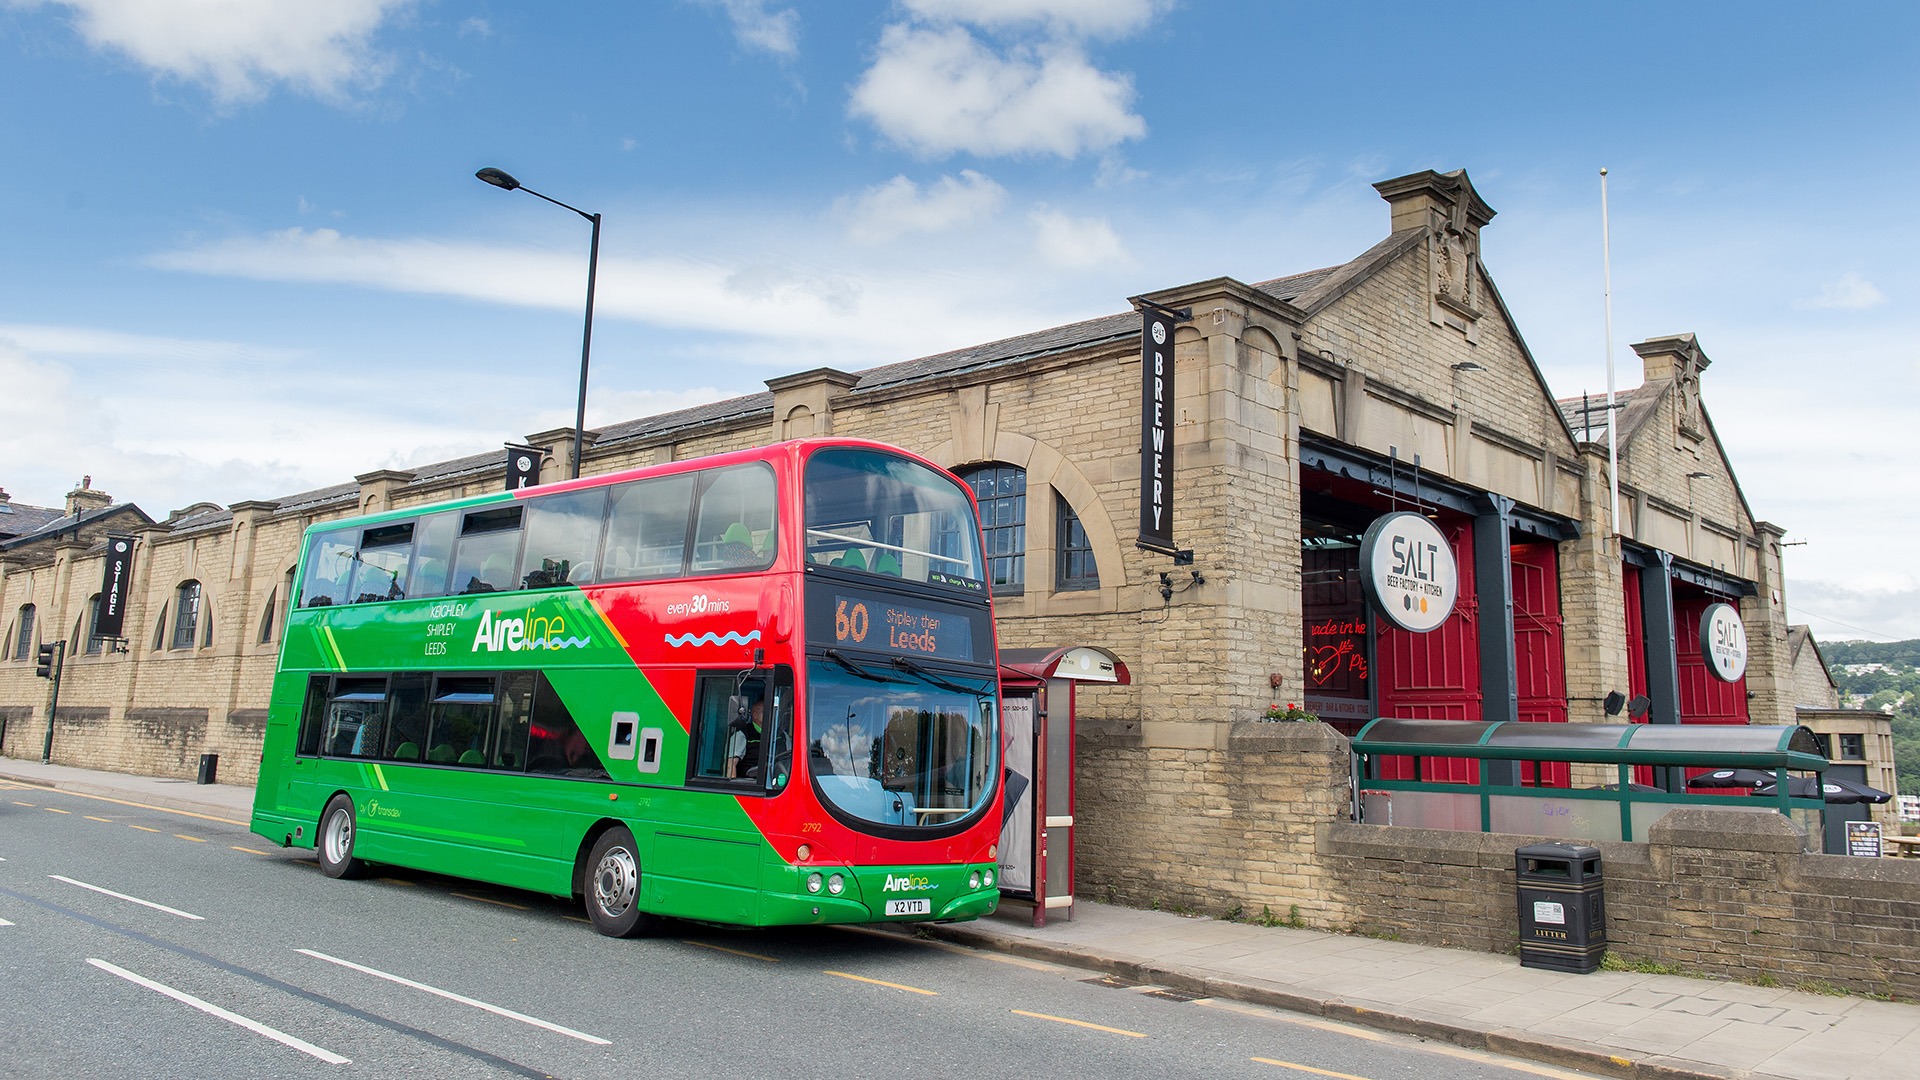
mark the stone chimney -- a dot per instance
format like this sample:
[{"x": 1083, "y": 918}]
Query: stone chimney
[
  {"x": 1450, "y": 213},
  {"x": 4, "y": 500},
  {"x": 84, "y": 499}
]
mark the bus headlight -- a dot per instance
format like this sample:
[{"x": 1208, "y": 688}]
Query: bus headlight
[
  {"x": 973, "y": 880},
  {"x": 836, "y": 884},
  {"x": 813, "y": 882},
  {"x": 989, "y": 879}
]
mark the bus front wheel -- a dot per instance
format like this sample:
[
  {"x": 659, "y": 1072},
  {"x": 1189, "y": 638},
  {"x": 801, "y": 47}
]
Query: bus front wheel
[
  {"x": 336, "y": 840},
  {"x": 613, "y": 886}
]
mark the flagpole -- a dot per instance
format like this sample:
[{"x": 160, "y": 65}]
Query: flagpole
[{"x": 1613, "y": 419}]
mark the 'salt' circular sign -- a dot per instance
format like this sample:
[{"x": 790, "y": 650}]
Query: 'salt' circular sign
[
  {"x": 1723, "y": 642},
  {"x": 1407, "y": 568}
]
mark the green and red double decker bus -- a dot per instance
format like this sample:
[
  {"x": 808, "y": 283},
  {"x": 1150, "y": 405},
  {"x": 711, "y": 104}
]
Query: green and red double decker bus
[{"x": 757, "y": 688}]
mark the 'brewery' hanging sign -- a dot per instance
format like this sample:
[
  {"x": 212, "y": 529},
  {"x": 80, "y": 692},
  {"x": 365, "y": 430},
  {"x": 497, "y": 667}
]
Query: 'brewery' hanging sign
[{"x": 1407, "y": 568}]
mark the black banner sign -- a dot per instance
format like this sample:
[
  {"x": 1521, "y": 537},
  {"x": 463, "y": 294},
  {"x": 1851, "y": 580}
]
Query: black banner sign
[
  {"x": 1156, "y": 431},
  {"x": 523, "y": 466},
  {"x": 113, "y": 588}
]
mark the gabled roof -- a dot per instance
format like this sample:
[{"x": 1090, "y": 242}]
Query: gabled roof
[
  {"x": 48, "y": 530},
  {"x": 17, "y": 519}
]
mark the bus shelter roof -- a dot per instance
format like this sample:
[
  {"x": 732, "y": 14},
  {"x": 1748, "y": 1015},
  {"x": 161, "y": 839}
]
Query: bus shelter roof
[{"x": 1780, "y": 746}]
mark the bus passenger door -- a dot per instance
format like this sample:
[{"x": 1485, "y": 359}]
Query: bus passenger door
[{"x": 707, "y": 860}]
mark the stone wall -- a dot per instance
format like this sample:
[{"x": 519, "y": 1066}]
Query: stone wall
[
  {"x": 1210, "y": 829},
  {"x": 1714, "y": 891}
]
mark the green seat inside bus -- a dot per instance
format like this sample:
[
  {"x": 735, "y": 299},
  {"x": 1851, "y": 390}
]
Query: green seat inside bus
[
  {"x": 441, "y": 755},
  {"x": 852, "y": 560},
  {"x": 885, "y": 563},
  {"x": 473, "y": 757},
  {"x": 407, "y": 751}
]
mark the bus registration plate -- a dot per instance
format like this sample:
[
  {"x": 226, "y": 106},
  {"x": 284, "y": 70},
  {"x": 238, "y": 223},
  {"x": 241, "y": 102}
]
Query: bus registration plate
[{"x": 909, "y": 907}]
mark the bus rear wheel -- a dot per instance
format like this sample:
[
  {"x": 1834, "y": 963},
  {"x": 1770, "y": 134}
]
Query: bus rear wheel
[
  {"x": 336, "y": 840},
  {"x": 613, "y": 886}
]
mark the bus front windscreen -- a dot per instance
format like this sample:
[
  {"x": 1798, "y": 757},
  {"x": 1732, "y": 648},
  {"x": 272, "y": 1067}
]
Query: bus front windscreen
[
  {"x": 885, "y": 514},
  {"x": 900, "y": 745}
]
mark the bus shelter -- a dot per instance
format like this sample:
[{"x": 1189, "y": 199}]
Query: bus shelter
[
  {"x": 1392, "y": 759},
  {"x": 1037, "y": 707}
]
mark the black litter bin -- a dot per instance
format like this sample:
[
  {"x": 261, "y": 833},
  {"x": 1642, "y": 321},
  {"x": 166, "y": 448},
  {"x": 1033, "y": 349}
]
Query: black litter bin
[
  {"x": 1563, "y": 918},
  {"x": 209, "y": 764}
]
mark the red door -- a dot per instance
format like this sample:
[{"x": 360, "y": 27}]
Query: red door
[
  {"x": 1704, "y": 698},
  {"x": 1540, "y": 661},
  {"x": 1435, "y": 675},
  {"x": 1636, "y": 657}
]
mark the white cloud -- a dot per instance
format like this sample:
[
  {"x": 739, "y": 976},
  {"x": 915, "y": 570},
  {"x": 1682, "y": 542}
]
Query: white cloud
[
  {"x": 1076, "y": 243},
  {"x": 1840, "y": 613},
  {"x": 757, "y": 27},
  {"x": 240, "y": 48},
  {"x": 869, "y": 312},
  {"x": 939, "y": 92},
  {"x": 1849, "y": 292},
  {"x": 1078, "y": 18},
  {"x": 898, "y": 207}
]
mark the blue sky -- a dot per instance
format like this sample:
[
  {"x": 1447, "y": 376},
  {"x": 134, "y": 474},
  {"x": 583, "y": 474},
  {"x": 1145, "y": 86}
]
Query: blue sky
[{"x": 244, "y": 252}]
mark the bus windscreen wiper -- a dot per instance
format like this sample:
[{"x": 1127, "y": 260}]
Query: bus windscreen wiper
[
  {"x": 930, "y": 678},
  {"x": 854, "y": 669}
]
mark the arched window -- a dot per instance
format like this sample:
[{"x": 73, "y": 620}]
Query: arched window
[
  {"x": 23, "y": 639},
  {"x": 1073, "y": 565},
  {"x": 92, "y": 639},
  {"x": 266, "y": 617},
  {"x": 1002, "y": 493},
  {"x": 186, "y": 614}
]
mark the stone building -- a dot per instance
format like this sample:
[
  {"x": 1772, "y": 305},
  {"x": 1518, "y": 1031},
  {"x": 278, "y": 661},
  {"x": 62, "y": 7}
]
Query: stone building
[{"x": 1305, "y": 408}]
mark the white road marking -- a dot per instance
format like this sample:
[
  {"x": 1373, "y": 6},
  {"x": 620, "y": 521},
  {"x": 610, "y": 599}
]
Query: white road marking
[
  {"x": 4, "y": 922},
  {"x": 211, "y": 1009},
  {"x": 462, "y": 999},
  {"x": 129, "y": 899}
]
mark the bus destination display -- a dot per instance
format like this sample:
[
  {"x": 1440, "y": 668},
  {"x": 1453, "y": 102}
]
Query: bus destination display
[{"x": 860, "y": 620}]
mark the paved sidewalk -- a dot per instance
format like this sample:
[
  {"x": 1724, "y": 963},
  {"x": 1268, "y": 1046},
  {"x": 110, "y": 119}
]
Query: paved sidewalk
[
  {"x": 225, "y": 801},
  {"x": 1612, "y": 1023}
]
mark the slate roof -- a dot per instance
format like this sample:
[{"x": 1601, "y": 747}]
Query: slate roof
[
  {"x": 52, "y": 527},
  {"x": 17, "y": 519},
  {"x": 1309, "y": 290}
]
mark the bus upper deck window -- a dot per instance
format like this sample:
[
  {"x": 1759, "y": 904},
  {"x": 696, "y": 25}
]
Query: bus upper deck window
[
  {"x": 488, "y": 553},
  {"x": 380, "y": 572},
  {"x": 329, "y": 569}
]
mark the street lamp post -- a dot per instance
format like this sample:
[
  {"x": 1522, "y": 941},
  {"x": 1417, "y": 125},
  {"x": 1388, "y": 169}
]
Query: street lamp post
[{"x": 507, "y": 183}]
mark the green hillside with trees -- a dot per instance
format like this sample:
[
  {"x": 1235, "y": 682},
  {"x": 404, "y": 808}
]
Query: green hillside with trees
[{"x": 1895, "y": 683}]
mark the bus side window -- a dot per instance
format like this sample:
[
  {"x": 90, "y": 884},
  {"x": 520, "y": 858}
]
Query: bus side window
[
  {"x": 407, "y": 722},
  {"x": 647, "y": 530},
  {"x": 432, "y": 552},
  {"x": 516, "y": 718},
  {"x": 735, "y": 529},
  {"x": 555, "y": 743},
  {"x": 460, "y": 719},
  {"x": 313, "y": 714},
  {"x": 356, "y": 717},
  {"x": 563, "y": 532},
  {"x": 729, "y": 729},
  {"x": 329, "y": 569},
  {"x": 380, "y": 571},
  {"x": 488, "y": 551}
]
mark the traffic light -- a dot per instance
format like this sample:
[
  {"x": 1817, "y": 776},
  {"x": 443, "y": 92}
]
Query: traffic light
[{"x": 45, "y": 668}]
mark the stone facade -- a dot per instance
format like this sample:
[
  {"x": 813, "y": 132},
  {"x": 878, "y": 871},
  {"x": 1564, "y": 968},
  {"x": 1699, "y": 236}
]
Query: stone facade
[{"x": 1406, "y": 353}]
